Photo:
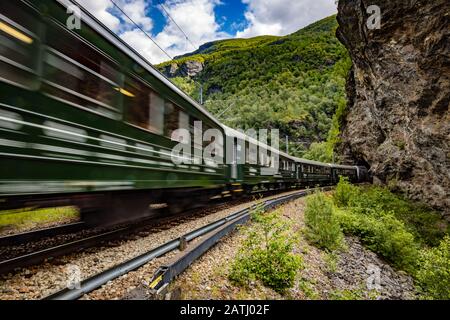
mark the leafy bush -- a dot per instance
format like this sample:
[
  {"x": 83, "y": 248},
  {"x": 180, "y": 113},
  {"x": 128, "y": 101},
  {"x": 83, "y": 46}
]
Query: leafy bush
[
  {"x": 322, "y": 226},
  {"x": 344, "y": 192},
  {"x": 383, "y": 234},
  {"x": 433, "y": 275},
  {"x": 266, "y": 254},
  {"x": 426, "y": 225},
  {"x": 400, "y": 231}
]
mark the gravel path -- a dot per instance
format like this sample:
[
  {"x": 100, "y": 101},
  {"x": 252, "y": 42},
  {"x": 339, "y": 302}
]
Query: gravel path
[
  {"x": 356, "y": 273},
  {"x": 42, "y": 280}
]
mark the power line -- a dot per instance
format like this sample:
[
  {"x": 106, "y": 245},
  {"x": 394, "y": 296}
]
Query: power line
[
  {"x": 173, "y": 20},
  {"x": 143, "y": 31},
  {"x": 148, "y": 36}
]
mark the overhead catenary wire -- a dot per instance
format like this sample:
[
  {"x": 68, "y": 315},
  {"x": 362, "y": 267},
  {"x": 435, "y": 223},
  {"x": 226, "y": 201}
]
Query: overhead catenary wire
[
  {"x": 177, "y": 25},
  {"x": 142, "y": 30},
  {"x": 148, "y": 36}
]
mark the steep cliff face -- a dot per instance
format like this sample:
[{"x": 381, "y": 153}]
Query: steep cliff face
[
  {"x": 398, "y": 118},
  {"x": 186, "y": 69}
]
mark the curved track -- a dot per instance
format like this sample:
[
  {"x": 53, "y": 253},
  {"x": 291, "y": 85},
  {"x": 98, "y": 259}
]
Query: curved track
[{"x": 210, "y": 232}]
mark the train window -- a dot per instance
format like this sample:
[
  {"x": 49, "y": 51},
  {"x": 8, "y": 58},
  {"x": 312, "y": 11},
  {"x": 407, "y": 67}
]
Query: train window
[
  {"x": 252, "y": 153},
  {"x": 137, "y": 103},
  {"x": 20, "y": 13},
  {"x": 196, "y": 143},
  {"x": 192, "y": 122},
  {"x": 156, "y": 124},
  {"x": 183, "y": 123},
  {"x": 247, "y": 152},
  {"x": 262, "y": 157},
  {"x": 184, "y": 120},
  {"x": 77, "y": 73},
  {"x": 18, "y": 46},
  {"x": 171, "y": 118},
  {"x": 205, "y": 128}
]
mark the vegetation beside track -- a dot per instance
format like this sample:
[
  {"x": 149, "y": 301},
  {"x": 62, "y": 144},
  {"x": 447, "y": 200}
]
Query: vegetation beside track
[
  {"x": 266, "y": 254},
  {"x": 329, "y": 242},
  {"x": 409, "y": 236},
  {"x": 14, "y": 221}
]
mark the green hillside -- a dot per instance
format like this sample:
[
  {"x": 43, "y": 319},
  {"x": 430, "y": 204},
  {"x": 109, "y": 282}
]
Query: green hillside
[{"x": 294, "y": 83}]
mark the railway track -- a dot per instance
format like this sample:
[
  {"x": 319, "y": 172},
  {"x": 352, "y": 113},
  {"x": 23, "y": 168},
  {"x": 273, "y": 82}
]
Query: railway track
[
  {"x": 31, "y": 248},
  {"x": 36, "y": 235},
  {"x": 207, "y": 235}
]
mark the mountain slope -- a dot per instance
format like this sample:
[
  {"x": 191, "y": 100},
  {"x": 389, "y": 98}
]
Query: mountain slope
[{"x": 294, "y": 83}]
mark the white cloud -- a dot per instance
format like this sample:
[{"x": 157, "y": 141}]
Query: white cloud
[
  {"x": 195, "y": 17},
  {"x": 101, "y": 10},
  {"x": 198, "y": 21},
  {"x": 282, "y": 17},
  {"x": 137, "y": 11}
]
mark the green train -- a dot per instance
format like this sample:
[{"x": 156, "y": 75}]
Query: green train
[{"x": 86, "y": 121}]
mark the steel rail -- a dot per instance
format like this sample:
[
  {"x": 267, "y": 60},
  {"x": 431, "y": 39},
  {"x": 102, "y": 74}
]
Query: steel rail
[
  {"x": 41, "y": 255},
  {"x": 21, "y": 238},
  {"x": 96, "y": 281}
]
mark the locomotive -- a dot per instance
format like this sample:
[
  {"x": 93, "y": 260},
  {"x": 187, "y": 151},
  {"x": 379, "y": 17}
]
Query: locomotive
[{"x": 86, "y": 121}]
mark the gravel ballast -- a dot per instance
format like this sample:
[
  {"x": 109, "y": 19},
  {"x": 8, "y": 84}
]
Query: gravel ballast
[{"x": 42, "y": 280}]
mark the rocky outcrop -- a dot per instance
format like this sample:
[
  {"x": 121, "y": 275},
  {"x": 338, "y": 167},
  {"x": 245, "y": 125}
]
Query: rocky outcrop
[
  {"x": 190, "y": 68},
  {"x": 399, "y": 92}
]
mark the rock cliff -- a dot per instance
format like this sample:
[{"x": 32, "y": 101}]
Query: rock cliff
[
  {"x": 398, "y": 118},
  {"x": 189, "y": 68}
]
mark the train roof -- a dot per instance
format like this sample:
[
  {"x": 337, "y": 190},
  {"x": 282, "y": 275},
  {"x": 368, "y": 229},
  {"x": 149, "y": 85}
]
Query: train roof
[
  {"x": 238, "y": 134},
  {"x": 104, "y": 31},
  {"x": 311, "y": 162},
  {"x": 339, "y": 166}
]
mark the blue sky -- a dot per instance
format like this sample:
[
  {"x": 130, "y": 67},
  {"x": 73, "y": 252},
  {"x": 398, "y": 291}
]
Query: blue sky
[{"x": 203, "y": 21}]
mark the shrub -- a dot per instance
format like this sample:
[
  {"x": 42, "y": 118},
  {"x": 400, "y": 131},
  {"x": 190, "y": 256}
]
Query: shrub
[
  {"x": 344, "y": 192},
  {"x": 322, "y": 226},
  {"x": 266, "y": 254},
  {"x": 433, "y": 275},
  {"x": 396, "y": 229},
  {"x": 425, "y": 224},
  {"x": 383, "y": 234}
]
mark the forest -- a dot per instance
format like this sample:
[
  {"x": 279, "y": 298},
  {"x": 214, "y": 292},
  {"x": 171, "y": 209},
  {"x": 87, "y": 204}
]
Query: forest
[{"x": 294, "y": 83}]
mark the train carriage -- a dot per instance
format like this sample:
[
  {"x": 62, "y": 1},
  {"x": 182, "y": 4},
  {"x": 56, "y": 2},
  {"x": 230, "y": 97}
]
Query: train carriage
[{"x": 80, "y": 111}]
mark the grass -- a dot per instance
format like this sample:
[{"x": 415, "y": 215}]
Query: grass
[{"x": 30, "y": 218}]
